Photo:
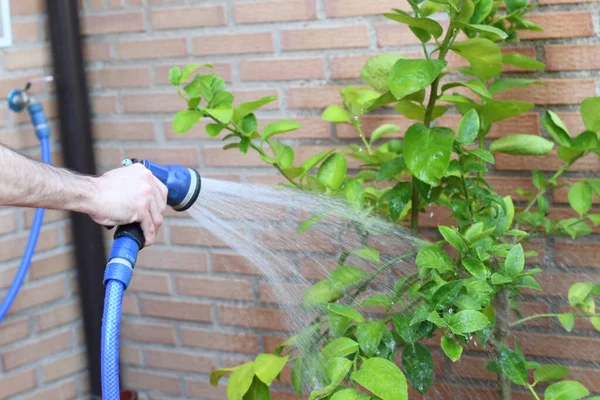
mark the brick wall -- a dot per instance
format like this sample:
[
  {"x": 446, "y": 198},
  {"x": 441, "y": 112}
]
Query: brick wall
[{"x": 180, "y": 310}]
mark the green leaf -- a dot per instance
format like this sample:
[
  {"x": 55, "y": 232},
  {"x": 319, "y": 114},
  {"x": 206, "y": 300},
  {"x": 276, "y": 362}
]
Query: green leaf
[
  {"x": 333, "y": 171},
  {"x": 278, "y": 127},
  {"x": 268, "y": 366},
  {"x": 483, "y": 154},
  {"x": 580, "y": 197},
  {"x": 321, "y": 292},
  {"x": 512, "y": 365},
  {"x": 312, "y": 162},
  {"x": 468, "y": 128},
  {"x": 427, "y": 152},
  {"x": 340, "y": 347},
  {"x": 578, "y": 293},
  {"x": 595, "y": 218},
  {"x": 338, "y": 325},
  {"x": 512, "y": 5},
  {"x": 527, "y": 282},
  {"x": 498, "y": 110},
  {"x": 429, "y": 25},
  {"x": 565, "y": 390},
  {"x": 248, "y": 108},
  {"x": 409, "y": 76},
  {"x": 418, "y": 366},
  {"x": 413, "y": 110},
  {"x": 382, "y": 378},
  {"x": 217, "y": 374},
  {"x": 369, "y": 335},
  {"x": 390, "y": 169},
  {"x": 452, "y": 349},
  {"x": 476, "y": 86},
  {"x": 434, "y": 257},
  {"x": 346, "y": 311},
  {"x": 481, "y": 28},
  {"x": 175, "y": 76},
  {"x": 483, "y": 8},
  {"x": 308, "y": 223},
  {"x": 506, "y": 215},
  {"x": 222, "y": 114},
  {"x": 185, "y": 120},
  {"x": 587, "y": 141},
  {"x": 521, "y": 144},
  {"x": 399, "y": 198},
  {"x": 336, "y": 114},
  {"x": 384, "y": 130},
  {"x": 483, "y": 55},
  {"x": 376, "y": 71},
  {"x": 556, "y": 128},
  {"x": 297, "y": 376},
  {"x": 467, "y": 321},
  {"x": 367, "y": 253},
  {"x": 240, "y": 381},
  {"x": 452, "y": 237},
  {"x": 345, "y": 276},
  {"x": 258, "y": 391},
  {"x": 213, "y": 130},
  {"x": 475, "y": 267},
  {"x": 575, "y": 227},
  {"x": 590, "y": 113},
  {"x": 188, "y": 70},
  {"x": 336, "y": 370},
  {"x": 503, "y": 84},
  {"x": 515, "y": 261},
  {"x": 546, "y": 373},
  {"x": 382, "y": 300},
  {"x": 249, "y": 124},
  {"x": 499, "y": 279},
  {"x": 521, "y": 61}
]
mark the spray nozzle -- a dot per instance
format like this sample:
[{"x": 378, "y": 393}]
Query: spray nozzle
[{"x": 18, "y": 99}]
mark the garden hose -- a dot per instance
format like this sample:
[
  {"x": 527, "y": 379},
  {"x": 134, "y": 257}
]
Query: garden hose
[
  {"x": 17, "y": 101},
  {"x": 183, "y": 186}
]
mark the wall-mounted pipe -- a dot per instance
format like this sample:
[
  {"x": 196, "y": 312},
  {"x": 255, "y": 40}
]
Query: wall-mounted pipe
[{"x": 76, "y": 139}]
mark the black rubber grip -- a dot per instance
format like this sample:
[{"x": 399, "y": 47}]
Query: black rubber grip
[{"x": 134, "y": 231}]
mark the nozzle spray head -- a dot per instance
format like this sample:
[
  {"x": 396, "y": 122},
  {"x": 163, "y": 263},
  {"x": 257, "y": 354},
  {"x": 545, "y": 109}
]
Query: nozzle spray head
[{"x": 183, "y": 183}]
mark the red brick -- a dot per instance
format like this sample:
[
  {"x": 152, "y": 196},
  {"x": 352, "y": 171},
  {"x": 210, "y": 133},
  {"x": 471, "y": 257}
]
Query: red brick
[
  {"x": 58, "y": 316},
  {"x": 120, "y": 77},
  {"x": 555, "y": 284},
  {"x": 180, "y": 361},
  {"x": 25, "y": 31},
  {"x": 123, "y": 130},
  {"x": 282, "y": 293},
  {"x": 551, "y": 162},
  {"x": 233, "y": 44},
  {"x": 571, "y": 347},
  {"x": 234, "y": 289},
  {"x": 254, "y": 318},
  {"x": 266, "y": 179},
  {"x": 147, "y": 333},
  {"x": 152, "y": 48},
  {"x": 282, "y": 69},
  {"x": 64, "y": 366},
  {"x": 173, "y": 260},
  {"x": 573, "y": 121},
  {"x": 150, "y": 282},
  {"x": 194, "y": 236},
  {"x": 35, "y": 295},
  {"x": 274, "y": 11},
  {"x": 185, "y": 156},
  {"x": 130, "y": 304},
  {"x": 130, "y": 355},
  {"x": 12, "y": 384},
  {"x": 234, "y": 264},
  {"x": 36, "y": 350},
  {"x": 577, "y": 254},
  {"x": 31, "y": 57},
  {"x": 49, "y": 216},
  {"x": 313, "y": 97},
  {"x": 572, "y": 57},
  {"x": 565, "y": 1},
  {"x": 187, "y": 17},
  {"x": 217, "y": 157},
  {"x": 508, "y": 185},
  {"x": 560, "y": 195},
  {"x": 7, "y": 223},
  {"x": 13, "y": 331},
  {"x": 204, "y": 390},
  {"x": 154, "y": 103},
  {"x": 590, "y": 378},
  {"x": 113, "y": 23},
  {"x": 222, "y": 70},
  {"x": 525, "y": 123},
  {"x": 104, "y": 104},
  {"x": 237, "y": 343},
  {"x": 325, "y": 38},
  {"x": 44, "y": 267},
  {"x": 395, "y": 35},
  {"x": 560, "y": 25},
  {"x": 528, "y": 309},
  {"x": 348, "y": 67},
  {"x": 243, "y": 96},
  {"x": 23, "y": 7},
  {"x": 108, "y": 156},
  {"x": 172, "y": 309},
  {"x": 556, "y": 91},
  {"x": 351, "y": 8},
  {"x": 284, "y": 239},
  {"x": 96, "y": 51},
  {"x": 63, "y": 390},
  {"x": 152, "y": 382}
]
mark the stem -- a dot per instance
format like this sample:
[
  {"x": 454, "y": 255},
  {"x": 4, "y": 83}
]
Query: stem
[
  {"x": 414, "y": 208},
  {"x": 531, "y": 318},
  {"x": 530, "y": 387},
  {"x": 356, "y": 126},
  {"x": 482, "y": 147},
  {"x": 501, "y": 332}
]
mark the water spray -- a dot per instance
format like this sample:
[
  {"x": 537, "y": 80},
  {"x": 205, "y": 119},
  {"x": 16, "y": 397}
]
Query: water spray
[
  {"x": 18, "y": 100},
  {"x": 183, "y": 186}
]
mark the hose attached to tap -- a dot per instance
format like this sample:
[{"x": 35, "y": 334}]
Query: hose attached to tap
[{"x": 43, "y": 133}]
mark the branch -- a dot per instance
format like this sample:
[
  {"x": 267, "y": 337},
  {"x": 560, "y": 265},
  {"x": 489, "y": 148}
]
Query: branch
[{"x": 531, "y": 318}]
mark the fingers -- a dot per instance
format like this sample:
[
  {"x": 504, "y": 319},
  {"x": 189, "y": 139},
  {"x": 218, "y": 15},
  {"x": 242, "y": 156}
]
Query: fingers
[{"x": 148, "y": 228}]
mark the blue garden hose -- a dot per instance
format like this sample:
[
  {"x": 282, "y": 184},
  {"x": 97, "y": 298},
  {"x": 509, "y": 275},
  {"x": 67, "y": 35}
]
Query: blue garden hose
[
  {"x": 184, "y": 187},
  {"x": 43, "y": 133}
]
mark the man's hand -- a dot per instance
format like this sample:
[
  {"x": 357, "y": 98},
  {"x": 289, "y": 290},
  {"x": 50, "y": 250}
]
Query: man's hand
[{"x": 129, "y": 194}]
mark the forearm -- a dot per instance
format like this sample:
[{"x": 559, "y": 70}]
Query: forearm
[{"x": 29, "y": 183}]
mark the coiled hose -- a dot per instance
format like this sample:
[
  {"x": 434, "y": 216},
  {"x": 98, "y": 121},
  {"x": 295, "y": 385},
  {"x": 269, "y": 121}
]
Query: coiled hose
[
  {"x": 13, "y": 291},
  {"x": 111, "y": 322}
]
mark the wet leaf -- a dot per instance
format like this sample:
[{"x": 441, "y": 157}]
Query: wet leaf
[
  {"x": 452, "y": 237},
  {"x": 258, "y": 391},
  {"x": 336, "y": 114},
  {"x": 384, "y": 130},
  {"x": 468, "y": 128},
  {"x": 427, "y": 152},
  {"x": 579, "y": 292},
  {"x": 467, "y": 321},
  {"x": 452, "y": 349},
  {"x": 369, "y": 335},
  {"x": 333, "y": 171},
  {"x": 368, "y": 253},
  {"x": 411, "y": 75},
  {"x": 546, "y": 373},
  {"x": 376, "y": 71},
  {"x": 565, "y": 390},
  {"x": 321, "y": 292},
  {"x": 382, "y": 378},
  {"x": 340, "y": 347},
  {"x": 483, "y": 55},
  {"x": 345, "y": 276},
  {"x": 240, "y": 381},
  {"x": 346, "y": 311},
  {"x": 268, "y": 366},
  {"x": 530, "y": 145},
  {"x": 580, "y": 197},
  {"x": 435, "y": 257},
  {"x": 399, "y": 197}
]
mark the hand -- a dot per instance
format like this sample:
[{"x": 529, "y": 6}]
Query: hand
[{"x": 130, "y": 194}]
